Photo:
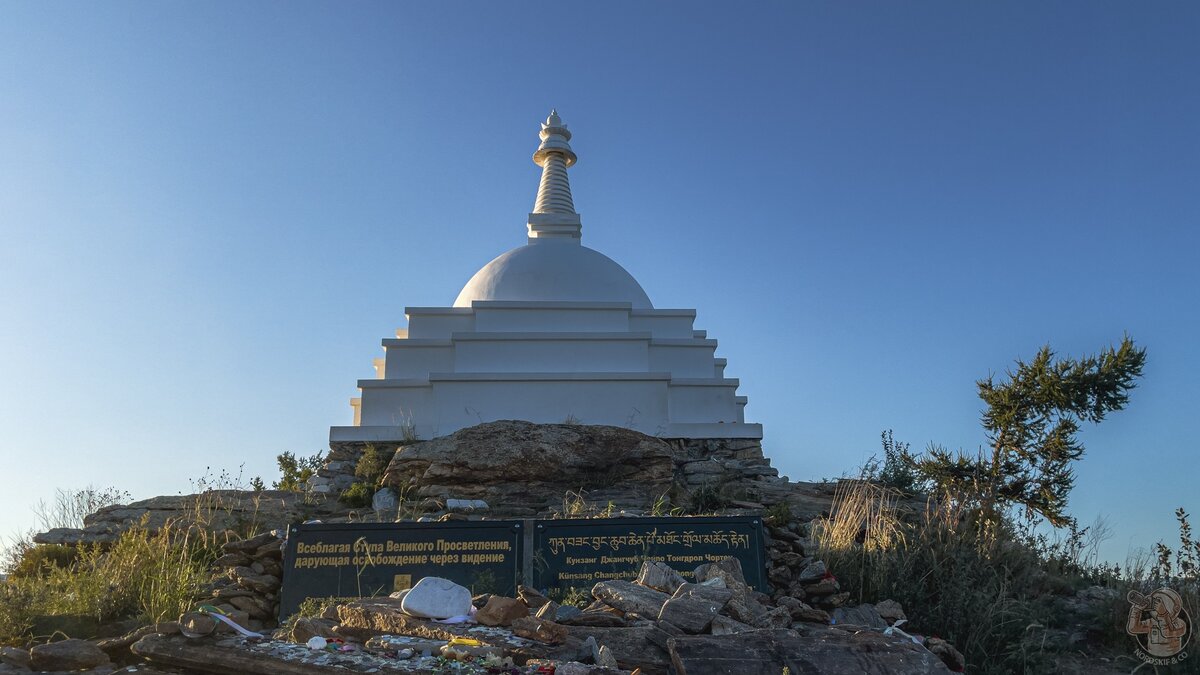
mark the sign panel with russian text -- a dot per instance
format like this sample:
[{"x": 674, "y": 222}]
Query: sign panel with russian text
[{"x": 373, "y": 559}]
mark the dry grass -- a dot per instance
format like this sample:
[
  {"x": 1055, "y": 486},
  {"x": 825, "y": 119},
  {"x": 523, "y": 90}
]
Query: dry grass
[{"x": 149, "y": 574}]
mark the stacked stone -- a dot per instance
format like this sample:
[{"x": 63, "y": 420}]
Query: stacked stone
[
  {"x": 337, "y": 472},
  {"x": 731, "y": 463},
  {"x": 247, "y": 581},
  {"x": 796, "y": 575}
]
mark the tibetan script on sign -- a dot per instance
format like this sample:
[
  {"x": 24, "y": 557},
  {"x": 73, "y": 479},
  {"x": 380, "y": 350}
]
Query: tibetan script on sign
[{"x": 578, "y": 553}]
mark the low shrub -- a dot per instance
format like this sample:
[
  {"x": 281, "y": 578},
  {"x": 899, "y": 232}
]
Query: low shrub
[
  {"x": 32, "y": 561},
  {"x": 357, "y": 496}
]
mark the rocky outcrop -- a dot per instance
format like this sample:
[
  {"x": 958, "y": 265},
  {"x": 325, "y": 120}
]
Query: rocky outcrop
[
  {"x": 214, "y": 510},
  {"x": 521, "y": 469},
  {"x": 497, "y": 469}
]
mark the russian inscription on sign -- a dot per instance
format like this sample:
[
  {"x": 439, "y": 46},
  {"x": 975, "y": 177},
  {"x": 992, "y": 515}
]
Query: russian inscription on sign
[
  {"x": 578, "y": 553},
  {"x": 371, "y": 559}
]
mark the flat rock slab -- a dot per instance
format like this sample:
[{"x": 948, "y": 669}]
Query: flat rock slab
[
  {"x": 71, "y": 654},
  {"x": 632, "y": 647},
  {"x": 630, "y": 597},
  {"x": 771, "y": 652}
]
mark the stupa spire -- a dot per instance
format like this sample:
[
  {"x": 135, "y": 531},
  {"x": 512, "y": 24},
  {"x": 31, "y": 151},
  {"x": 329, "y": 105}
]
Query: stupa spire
[{"x": 554, "y": 213}]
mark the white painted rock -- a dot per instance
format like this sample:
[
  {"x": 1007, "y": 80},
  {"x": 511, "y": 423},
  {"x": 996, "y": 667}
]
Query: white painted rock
[
  {"x": 436, "y": 598},
  {"x": 466, "y": 505},
  {"x": 384, "y": 500}
]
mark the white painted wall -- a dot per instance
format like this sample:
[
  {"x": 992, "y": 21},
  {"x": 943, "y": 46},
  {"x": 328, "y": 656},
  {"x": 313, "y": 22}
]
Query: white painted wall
[{"x": 547, "y": 362}]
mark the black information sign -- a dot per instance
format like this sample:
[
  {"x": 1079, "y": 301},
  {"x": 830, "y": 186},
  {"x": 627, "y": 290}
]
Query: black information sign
[
  {"x": 578, "y": 553},
  {"x": 372, "y": 559}
]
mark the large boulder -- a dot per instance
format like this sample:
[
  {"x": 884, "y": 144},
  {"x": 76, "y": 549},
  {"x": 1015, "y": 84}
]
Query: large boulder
[
  {"x": 522, "y": 468},
  {"x": 437, "y": 598}
]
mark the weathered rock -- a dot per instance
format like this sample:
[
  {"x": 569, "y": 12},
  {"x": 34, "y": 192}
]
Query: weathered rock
[
  {"x": 801, "y": 611},
  {"x": 252, "y": 606},
  {"x": 744, "y": 606},
  {"x": 18, "y": 658},
  {"x": 770, "y": 652},
  {"x": 779, "y": 577},
  {"x": 437, "y": 598},
  {"x": 230, "y": 592},
  {"x": 219, "y": 510},
  {"x": 862, "y": 615},
  {"x": 235, "y": 559},
  {"x": 593, "y": 619},
  {"x": 660, "y": 576},
  {"x": 631, "y": 647},
  {"x": 548, "y": 611},
  {"x": 118, "y": 647},
  {"x": 467, "y": 505},
  {"x": 522, "y": 468},
  {"x": 890, "y": 611},
  {"x": 607, "y": 658},
  {"x": 719, "y": 595},
  {"x": 723, "y": 625},
  {"x": 384, "y": 501},
  {"x": 813, "y": 572},
  {"x": 531, "y": 597},
  {"x": 663, "y": 631},
  {"x": 822, "y": 588},
  {"x": 691, "y": 614},
  {"x": 196, "y": 624},
  {"x": 566, "y": 613},
  {"x": 259, "y": 583},
  {"x": 272, "y": 550},
  {"x": 304, "y": 629},
  {"x": 589, "y": 650},
  {"x": 251, "y": 544},
  {"x": 540, "y": 630},
  {"x": 70, "y": 654},
  {"x": 501, "y": 611},
  {"x": 776, "y": 617},
  {"x": 729, "y": 570},
  {"x": 575, "y": 668},
  {"x": 947, "y": 653},
  {"x": 630, "y": 597},
  {"x": 238, "y": 616}
]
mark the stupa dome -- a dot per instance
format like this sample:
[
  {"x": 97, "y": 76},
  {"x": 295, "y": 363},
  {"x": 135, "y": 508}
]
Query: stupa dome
[
  {"x": 549, "y": 332},
  {"x": 554, "y": 270}
]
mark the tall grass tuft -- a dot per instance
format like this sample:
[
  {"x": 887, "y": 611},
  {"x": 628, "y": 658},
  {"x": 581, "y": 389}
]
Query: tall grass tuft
[
  {"x": 150, "y": 573},
  {"x": 953, "y": 579}
]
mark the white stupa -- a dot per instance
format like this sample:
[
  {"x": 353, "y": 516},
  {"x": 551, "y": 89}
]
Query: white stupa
[{"x": 549, "y": 332}]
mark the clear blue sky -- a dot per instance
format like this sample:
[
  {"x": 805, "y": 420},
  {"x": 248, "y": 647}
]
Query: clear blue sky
[{"x": 211, "y": 213}]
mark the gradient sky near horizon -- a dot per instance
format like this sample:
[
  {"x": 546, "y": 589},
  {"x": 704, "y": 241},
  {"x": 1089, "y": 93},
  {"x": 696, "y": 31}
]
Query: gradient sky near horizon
[{"x": 211, "y": 213}]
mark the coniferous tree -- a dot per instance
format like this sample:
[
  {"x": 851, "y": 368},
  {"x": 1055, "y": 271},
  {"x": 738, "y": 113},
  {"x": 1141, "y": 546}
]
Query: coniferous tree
[{"x": 1031, "y": 420}]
